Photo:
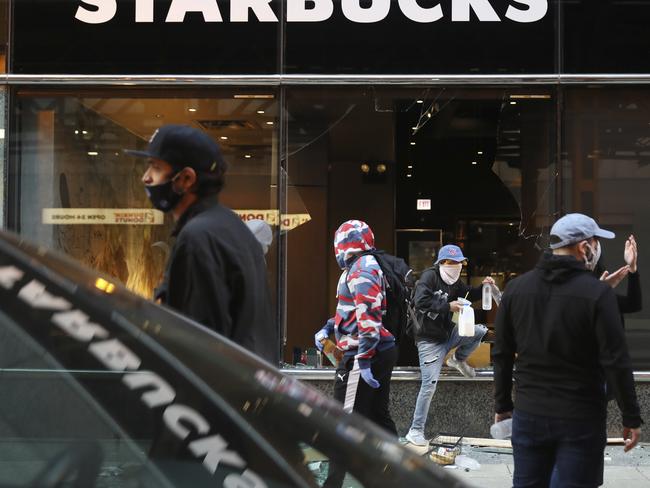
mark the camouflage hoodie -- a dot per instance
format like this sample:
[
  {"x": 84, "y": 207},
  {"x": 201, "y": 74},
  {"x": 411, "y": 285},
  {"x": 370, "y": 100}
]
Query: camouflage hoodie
[{"x": 360, "y": 293}]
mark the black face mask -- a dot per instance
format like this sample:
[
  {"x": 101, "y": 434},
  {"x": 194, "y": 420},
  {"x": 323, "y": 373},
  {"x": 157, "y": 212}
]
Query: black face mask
[{"x": 163, "y": 197}]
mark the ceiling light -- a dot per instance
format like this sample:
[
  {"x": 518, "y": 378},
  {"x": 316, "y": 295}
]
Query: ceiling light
[
  {"x": 381, "y": 168},
  {"x": 247, "y": 156},
  {"x": 419, "y": 101},
  {"x": 254, "y": 96},
  {"x": 480, "y": 153},
  {"x": 93, "y": 153},
  {"x": 269, "y": 122},
  {"x": 260, "y": 112},
  {"x": 191, "y": 110},
  {"x": 412, "y": 143},
  {"x": 474, "y": 162},
  {"x": 513, "y": 103},
  {"x": 224, "y": 138},
  {"x": 429, "y": 114},
  {"x": 410, "y": 166},
  {"x": 84, "y": 132},
  {"x": 533, "y": 97},
  {"x": 365, "y": 168},
  {"x": 409, "y": 175},
  {"x": 76, "y": 132},
  {"x": 414, "y": 128}
]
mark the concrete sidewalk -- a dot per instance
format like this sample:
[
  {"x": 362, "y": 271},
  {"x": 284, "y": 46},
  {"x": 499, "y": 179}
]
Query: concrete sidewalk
[{"x": 622, "y": 470}]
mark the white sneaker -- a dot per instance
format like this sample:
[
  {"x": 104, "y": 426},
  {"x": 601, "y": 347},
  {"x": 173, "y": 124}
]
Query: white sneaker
[
  {"x": 462, "y": 366},
  {"x": 416, "y": 437}
]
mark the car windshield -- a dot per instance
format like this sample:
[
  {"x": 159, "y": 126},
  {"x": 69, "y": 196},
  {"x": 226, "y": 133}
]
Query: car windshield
[{"x": 266, "y": 422}]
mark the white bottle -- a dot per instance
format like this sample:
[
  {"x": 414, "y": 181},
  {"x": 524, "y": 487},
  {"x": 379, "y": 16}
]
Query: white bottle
[
  {"x": 466, "y": 320},
  {"x": 487, "y": 296},
  {"x": 502, "y": 430}
]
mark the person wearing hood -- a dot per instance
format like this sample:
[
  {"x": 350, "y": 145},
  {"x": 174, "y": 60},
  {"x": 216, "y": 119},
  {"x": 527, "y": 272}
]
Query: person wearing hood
[
  {"x": 357, "y": 325},
  {"x": 559, "y": 327},
  {"x": 436, "y": 299},
  {"x": 216, "y": 272}
]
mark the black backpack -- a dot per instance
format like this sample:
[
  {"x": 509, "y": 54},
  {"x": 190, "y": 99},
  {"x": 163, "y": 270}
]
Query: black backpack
[{"x": 397, "y": 276}]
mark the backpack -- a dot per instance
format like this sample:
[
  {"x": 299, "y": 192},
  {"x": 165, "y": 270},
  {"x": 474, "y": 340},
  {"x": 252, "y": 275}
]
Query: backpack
[{"x": 397, "y": 278}]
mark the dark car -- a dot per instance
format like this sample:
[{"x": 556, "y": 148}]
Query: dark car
[{"x": 101, "y": 388}]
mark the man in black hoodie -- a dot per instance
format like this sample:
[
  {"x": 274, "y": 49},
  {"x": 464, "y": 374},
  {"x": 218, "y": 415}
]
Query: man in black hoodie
[
  {"x": 561, "y": 329},
  {"x": 216, "y": 273}
]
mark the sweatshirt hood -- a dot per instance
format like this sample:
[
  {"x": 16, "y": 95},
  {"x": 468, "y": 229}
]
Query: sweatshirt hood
[
  {"x": 352, "y": 238},
  {"x": 558, "y": 269}
]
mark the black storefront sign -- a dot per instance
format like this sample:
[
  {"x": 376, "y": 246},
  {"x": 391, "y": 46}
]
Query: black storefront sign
[{"x": 319, "y": 36}]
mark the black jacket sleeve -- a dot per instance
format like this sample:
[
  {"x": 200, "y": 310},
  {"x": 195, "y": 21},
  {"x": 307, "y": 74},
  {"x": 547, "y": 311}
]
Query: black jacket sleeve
[
  {"x": 503, "y": 358},
  {"x": 426, "y": 297},
  {"x": 632, "y": 302},
  {"x": 614, "y": 357}
]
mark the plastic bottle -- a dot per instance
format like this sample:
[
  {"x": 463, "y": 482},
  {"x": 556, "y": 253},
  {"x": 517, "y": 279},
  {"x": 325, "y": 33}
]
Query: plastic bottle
[
  {"x": 501, "y": 430},
  {"x": 333, "y": 353},
  {"x": 487, "y": 296},
  {"x": 466, "y": 319}
]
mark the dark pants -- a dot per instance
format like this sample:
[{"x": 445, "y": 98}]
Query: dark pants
[
  {"x": 557, "y": 453},
  {"x": 370, "y": 402}
]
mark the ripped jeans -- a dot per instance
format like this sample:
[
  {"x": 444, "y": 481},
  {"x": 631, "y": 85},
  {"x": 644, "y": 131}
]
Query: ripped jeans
[{"x": 432, "y": 356}]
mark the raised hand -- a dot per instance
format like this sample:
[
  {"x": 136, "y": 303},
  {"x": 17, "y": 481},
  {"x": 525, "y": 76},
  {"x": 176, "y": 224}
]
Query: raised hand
[{"x": 630, "y": 254}]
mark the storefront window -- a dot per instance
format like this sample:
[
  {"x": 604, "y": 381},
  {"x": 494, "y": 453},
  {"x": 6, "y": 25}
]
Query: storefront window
[
  {"x": 77, "y": 191},
  {"x": 606, "y": 146},
  {"x": 483, "y": 160}
]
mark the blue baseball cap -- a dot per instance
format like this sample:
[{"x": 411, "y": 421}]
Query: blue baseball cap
[
  {"x": 452, "y": 252},
  {"x": 183, "y": 146},
  {"x": 575, "y": 227}
]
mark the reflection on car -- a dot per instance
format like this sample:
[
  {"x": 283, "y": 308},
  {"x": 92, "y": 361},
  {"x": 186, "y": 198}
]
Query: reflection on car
[{"x": 105, "y": 389}]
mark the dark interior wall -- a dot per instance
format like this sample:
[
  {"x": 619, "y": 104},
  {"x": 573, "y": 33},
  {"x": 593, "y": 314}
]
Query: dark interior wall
[{"x": 366, "y": 136}]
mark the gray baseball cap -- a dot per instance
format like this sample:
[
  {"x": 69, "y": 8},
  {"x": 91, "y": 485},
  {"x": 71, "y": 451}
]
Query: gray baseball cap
[{"x": 575, "y": 227}]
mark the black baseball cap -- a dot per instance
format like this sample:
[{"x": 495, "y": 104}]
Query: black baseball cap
[{"x": 183, "y": 146}]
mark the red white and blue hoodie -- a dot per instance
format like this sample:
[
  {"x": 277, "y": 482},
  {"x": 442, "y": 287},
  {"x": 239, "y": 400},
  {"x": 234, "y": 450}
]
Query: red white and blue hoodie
[{"x": 361, "y": 295}]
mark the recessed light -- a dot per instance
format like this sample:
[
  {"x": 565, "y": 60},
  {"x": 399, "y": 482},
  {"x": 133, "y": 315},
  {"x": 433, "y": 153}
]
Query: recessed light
[
  {"x": 480, "y": 153},
  {"x": 255, "y": 96},
  {"x": 474, "y": 162},
  {"x": 269, "y": 122},
  {"x": 93, "y": 153},
  {"x": 419, "y": 101},
  {"x": 410, "y": 166},
  {"x": 260, "y": 112},
  {"x": 247, "y": 156},
  {"x": 76, "y": 132},
  {"x": 191, "y": 110},
  {"x": 84, "y": 132},
  {"x": 513, "y": 103},
  {"x": 224, "y": 138},
  {"x": 412, "y": 143},
  {"x": 409, "y": 175}
]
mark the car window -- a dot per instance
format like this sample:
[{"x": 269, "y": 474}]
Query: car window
[{"x": 48, "y": 422}]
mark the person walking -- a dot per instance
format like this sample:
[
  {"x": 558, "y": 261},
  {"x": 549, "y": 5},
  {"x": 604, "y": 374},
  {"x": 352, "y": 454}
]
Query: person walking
[
  {"x": 559, "y": 327},
  {"x": 369, "y": 348},
  {"x": 436, "y": 300},
  {"x": 216, "y": 273}
]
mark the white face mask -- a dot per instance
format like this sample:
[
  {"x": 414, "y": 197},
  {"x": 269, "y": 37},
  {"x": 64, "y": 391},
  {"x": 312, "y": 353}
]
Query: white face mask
[
  {"x": 592, "y": 257},
  {"x": 450, "y": 273}
]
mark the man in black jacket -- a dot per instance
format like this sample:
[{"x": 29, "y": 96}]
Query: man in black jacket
[
  {"x": 560, "y": 326},
  {"x": 436, "y": 300},
  {"x": 216, "y": 273}
]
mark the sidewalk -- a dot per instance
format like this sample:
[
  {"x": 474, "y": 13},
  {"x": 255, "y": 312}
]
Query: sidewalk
[{"x": 622, "y": 470}]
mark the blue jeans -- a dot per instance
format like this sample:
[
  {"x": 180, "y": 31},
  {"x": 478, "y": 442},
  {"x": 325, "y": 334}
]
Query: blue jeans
[
  {"x": 432, "y": 355},
  {"x": 556, "y": 452}
]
